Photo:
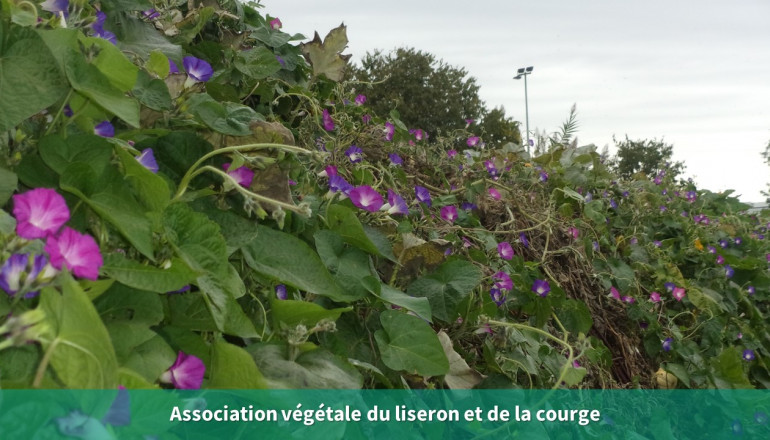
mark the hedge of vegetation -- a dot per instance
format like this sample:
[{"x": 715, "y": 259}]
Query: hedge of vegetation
[{"x": 193, "y": 199}]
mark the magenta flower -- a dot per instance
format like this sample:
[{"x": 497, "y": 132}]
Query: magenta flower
[
  {"x": 574, "y": 232},
  {"x": 614, "y": 292},
  {"x": 655, "y": 297},
  {"x": 748, "y": 355},
  {"x": 186, "y": 373},
  {"x": 104, "y": 129},
  {"x": 326, "y": 118},
  {"x": 197, "y": 69},
  {"x": 147, "y": 159},
  {"x": 329, "y": 171},
  {"x": 449, "y": 213},
  {"x": 390, "y": 131},
  {"x": 497, "y": 295},
  {"x": 505, "y": 250},
  {"x": 469, "y": 122},
  {"x": 39, "y": 213},
  {"x": 472, "y": 141},
  {"x": 628, "y": 299},
  {"x": 491, "y": 169},
  {"x": 541, "y": 287},
  {"x": 451, "y": 154},
  {"x": 77, "y": 252},
  {"x": 667, "y": 344},
  {"x": 503, "y": 281},
  {"x": 365, "y": 197},
  {"x": 275, "y": 24},
  {"x": 360, "y": 99},
  {"x": 678, "y": 293},
  {"x": 420, "y": 135},
  {"x": 396, "y": 204},
  {"x": 422, "y": 195},
  {"x": 280, "y": 292},
  {"x": 395, "y": 159},
  {"x": 338, "y": 183},
  {"x": 495, "y": 194},
  {"x": 720, "y": 259},
  {"x": 366, "y": 118},
  {"x": 242, "y": 175},
  {"x": 354, "y": 154}
]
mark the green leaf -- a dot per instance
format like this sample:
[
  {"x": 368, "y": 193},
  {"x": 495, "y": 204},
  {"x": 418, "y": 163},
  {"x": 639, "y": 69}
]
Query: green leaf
[
  {"x": 151, "y": 358},
  {"x": 446, "y": 287},
  {"x": 348, "y": 265},
  {"x": 196, "y": 239},
  {"x": 227, "y": 313},
  {"x": 345, "y": 222},
  {"x": 314, "y": 369},
  {"x": 146, "y": 277},
  {"x": 150, "y": 188},
  {"x": 224, "y": 117},
  {"x": 236, "y": 229},
  {"x": 257, "y": 63},
  {"x": 8, "y": 183},
  {"x": 727, "y": 370},
  {"x": 326, "y": 57},
  {"x": 680, "y": 371},
  {"x": 574, "y": 375},
  {"x": 418, "y": 305},
  {"x": 30, "y": 78},
  {"x": 291, "y": 261},
  {"x": 293, "y": 313},
  {"x": 59, "y": 153},
  {"x": 407, "y": 343},
  {"x": 623, "y": 274},
  {"x": 152, "y": 92},
  {"x": 112, "y": 63},
  {"x": 108, "y": 197},
  {"x": 78, "y": 344},
  {"x": 232, "y": 367},
  {"x": 141, "y": 38},
  {"x": 92, "y": 83},
  {"x": 158, "y": 64},
  {"x": 575, "y": 316}
]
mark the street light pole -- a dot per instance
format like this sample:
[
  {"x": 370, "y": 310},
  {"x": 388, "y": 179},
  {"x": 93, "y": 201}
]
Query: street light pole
[{"x": 523, "y": 72}]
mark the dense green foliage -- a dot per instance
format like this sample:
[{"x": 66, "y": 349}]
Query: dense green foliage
[
  {"x": 644, "y": 156},
  {"x": 195, "y": 262}
]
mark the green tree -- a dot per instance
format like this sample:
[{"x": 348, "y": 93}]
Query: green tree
[
  {"x": 647, "y": 156},
  {"x": 498, "y": 129},
  {"x": 428, "y": 93}
]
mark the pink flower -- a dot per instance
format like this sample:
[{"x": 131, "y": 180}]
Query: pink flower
[
  {"x": 77, "y": 252},
  {"x": 505, "y": 250},
  {"x": 390, "y": 131},
  {"x": 328, "y": 123},
  {"x": 495, "y": 194},
  {"x": 39, "y": 213},
  {"x": 614, "y": 292},
  {"x": 186, "y": 373},
  {"x": 365, "y": 197},
  {"x": 275, "y": 24},
  {"x": 472, "y": 141},
  {"x": 451, "y": 153},
  {"x": 503, "y": 281},
  {"x": 678, "y": 293},
  {"x": 449, "y": 213},
  {"x": 574, "y": 232},
  {"x": 655, "y": 297},
  {"x": 242, "y": 175}
]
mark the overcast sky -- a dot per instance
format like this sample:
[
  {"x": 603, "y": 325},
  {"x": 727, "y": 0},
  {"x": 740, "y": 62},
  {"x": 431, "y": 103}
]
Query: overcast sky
[{"x": 695, "y": 73}]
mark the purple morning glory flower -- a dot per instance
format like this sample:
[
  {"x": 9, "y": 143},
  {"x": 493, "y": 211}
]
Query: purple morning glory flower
[
  {"x": 280, "y": 292},
  {"x": 390, "y": 131},
  {"x": 329, "y": 170},
  {"x": 67, "y": 110},
  {"x": 15, "y": 273},
  {"x": 197, "y": 69},
  {"x": 494, "y": 193},
  {"x": 328, "y": 123},
  {"x": 720, "y": 259},
  {"x": 172, "y": 67},
  {"x": 497, "y": 296},
  {"x": 760, "y": 417},
  {"x": 634, "y": 240},
  {"x": 667, "y": 344},
  {"x": 595, "y": 246},
  {"x": 354, "y": 153},
  {"x": 472, "y": 141},
  {"x": 275, "y": 24},
  {"x": 104, "y": 129},
  {"x": 366, "y": 118},
  {"x": 503, "y": 281},
  {"x": 360, "y": 99},
  {"x": 338, "y": 183},
  {"x": 669, "y": 287},
  {"x": 729, "y": 271},
  {"x": 711, "y": 249},
  {"x": 39, "y": 213},
  {"x": 541, "y": 287},
  {"x": 523, "y": 240},
  {"x": 751, "y": 290},
  {"x": 365, "y": 197},
  {"x": 613, "y": 204},
  {"x": 449, "y": 213},
  {"x": 147, "y": 159},
  {"x": 628, "y": 299},
  {"x": 468, "y": 206},
  {"x": 589, "y": 197},
  {"x": 99, "y": 31},
  {"x": 691, "y": 196},
  {"x": 451, "y": 154},
  {"x": 150, "y": 14},
  {"x": 748, "y": 355},
  {"x": 723, "y": 243},
  {"x": 422, "y": 194},
  {"x": 183, "y": 289},
  {"x": 56, "y": 6},
  {"x": 655, "y": 297},
  {"x": 543, "y": 176},
  {"x": 614, "y": 292},
  {"x": 657, "y": 243},
  {"x": 663, "y": 209},
  {"x": 395, "y": 159},
  {"x": 186, "y": 373},
  {"x": 396, "y": 204},
  {"x": 419, "y": 134},
  {"x": 242, "y": 175},
  {"x": 737, "y": 240},
  {"x": 505, "y": 250}
]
